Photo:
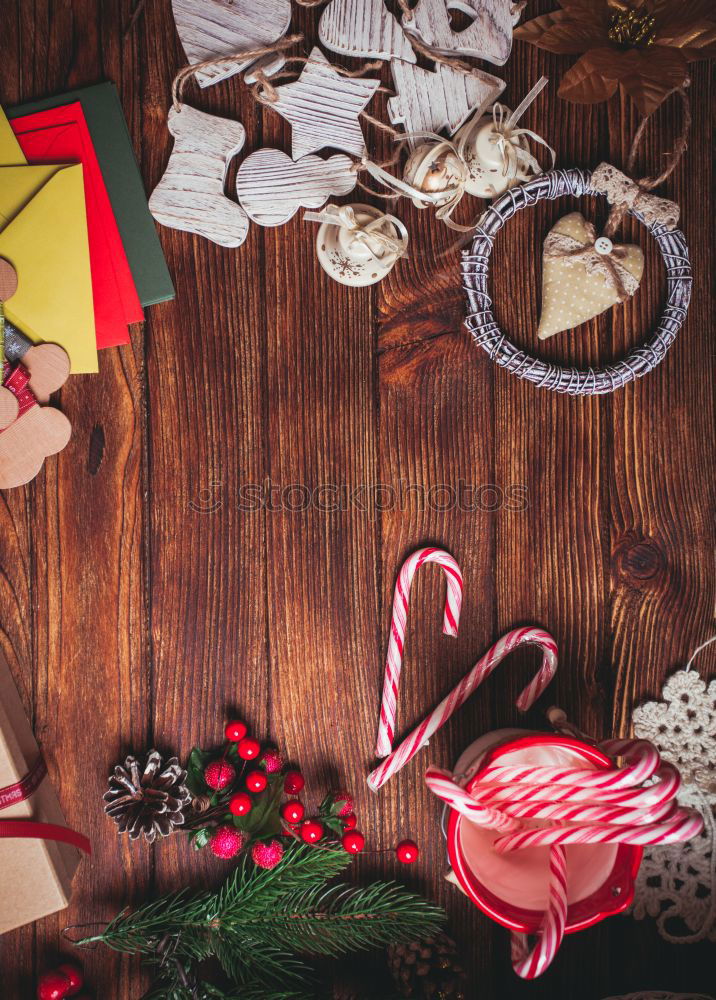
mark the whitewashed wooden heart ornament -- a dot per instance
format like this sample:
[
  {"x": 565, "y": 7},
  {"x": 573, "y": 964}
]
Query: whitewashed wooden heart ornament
[
  {"x": 219, "y": 27},
  {"x": 576, "y": 288},
  {"x": 190, "y": 196},
  {"x": 431, "y": 102},
  {"x": 271, "y": 187},
  {"x": 488, "y": 37},
  {"x": 363, "y": 28},
  {"x": 323, "y": 108}
]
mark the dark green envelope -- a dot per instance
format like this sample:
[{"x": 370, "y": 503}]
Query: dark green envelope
[{"x": 108, "y": 128}]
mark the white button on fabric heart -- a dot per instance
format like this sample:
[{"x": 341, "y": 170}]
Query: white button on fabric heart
[{"x": 603, "y": 245}]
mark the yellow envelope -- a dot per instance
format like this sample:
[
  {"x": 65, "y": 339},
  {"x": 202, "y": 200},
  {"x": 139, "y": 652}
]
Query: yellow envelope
[
  {"x": 43, "y": 233},
  {"x": 10, "y": 153}
]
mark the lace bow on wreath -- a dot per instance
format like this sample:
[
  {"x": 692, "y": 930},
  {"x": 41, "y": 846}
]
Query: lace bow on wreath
[{"x": 675, "y": 884}]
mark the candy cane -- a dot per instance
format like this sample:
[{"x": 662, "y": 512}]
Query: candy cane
[
  {"x": 587, "y": 812},
  {"x": 441, "y": 783},
  {"x": 643, "y": 759},
  {"x": 394, "y": 660},
  {"x": 682, "y": 826},
  {"x": 663, "y": 790},
  {"x": 459, "y": 695},
  {"x": 530, "y": 964}
]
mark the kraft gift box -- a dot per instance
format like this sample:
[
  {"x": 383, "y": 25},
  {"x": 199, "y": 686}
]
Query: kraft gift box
[{"x": 35, "y": 875}]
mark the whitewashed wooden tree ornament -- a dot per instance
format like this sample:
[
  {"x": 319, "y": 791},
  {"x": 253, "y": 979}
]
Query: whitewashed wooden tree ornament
[
  {"x": 271, "y": 187},
  {"x": 191, "y": 196},
  {"x": 323, "y": 108},
  {"x": 210, "y": 28},
  {"x": 431, "y": 102},
  {"x": 363, "y": 28},
  {"x": 488, "y": 37}
]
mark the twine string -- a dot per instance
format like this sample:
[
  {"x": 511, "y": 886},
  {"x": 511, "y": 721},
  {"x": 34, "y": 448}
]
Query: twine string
[
  {"x": 180, "y": 80},
  {"x": 646, "y": 184}
]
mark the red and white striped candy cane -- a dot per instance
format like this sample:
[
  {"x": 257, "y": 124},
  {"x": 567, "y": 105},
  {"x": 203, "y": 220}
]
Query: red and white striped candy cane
[
  {"x": 528, "y": 964},
  {"x": 394, "y": 660},
  {"x": 663, "y": 790},
  {"x": 459, "y": 695},
  {"x": 643, "y": 759},
  {"x": 442, "y": 784},
  {"x": 585, "y": 812},
  {"x": 681, "y": 826}
]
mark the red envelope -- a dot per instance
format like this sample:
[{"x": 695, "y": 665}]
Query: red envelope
[{"x": 60, "y": 135}]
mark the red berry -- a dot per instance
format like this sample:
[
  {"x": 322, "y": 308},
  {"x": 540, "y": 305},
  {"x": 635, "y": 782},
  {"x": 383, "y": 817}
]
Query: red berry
[
  {"x": 248, "y": 749},
  {"x": 407, "y": 852},
  {"x": 271, "y": 761},
  {"x": 53, "y": 986},
  {"x": 353, "y": 842},
  {"x": 240, "y": 804},
  {"x": 292, "y": 811},
  {"x": 350, "y": 822},
  {"x": 256, "y": 781},
  {"x": 74, "y": 974},
  {"x": 267, "y": 855},
  {"x": 293, "y": 782},
  {"x": 226, "y": 842},
  {"x": 311, "y": 831},
  {"x": 347, "y": 801},
  {"x": 219, "y": 774},
  {"x": 235, "y": 730}
]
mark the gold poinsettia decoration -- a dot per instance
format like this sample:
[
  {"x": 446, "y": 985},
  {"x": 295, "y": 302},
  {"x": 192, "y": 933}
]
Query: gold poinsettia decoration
[{"x": 642, "y": 46}]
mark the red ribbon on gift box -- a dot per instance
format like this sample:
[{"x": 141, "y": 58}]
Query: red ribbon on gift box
[
  {"x": 17, "y": 381},
  {"x": 30, "y": 829}
]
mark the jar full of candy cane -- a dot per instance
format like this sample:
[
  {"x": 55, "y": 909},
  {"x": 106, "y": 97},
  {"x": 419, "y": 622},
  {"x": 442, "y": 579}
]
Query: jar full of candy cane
[{"x": 545, "y": 831}]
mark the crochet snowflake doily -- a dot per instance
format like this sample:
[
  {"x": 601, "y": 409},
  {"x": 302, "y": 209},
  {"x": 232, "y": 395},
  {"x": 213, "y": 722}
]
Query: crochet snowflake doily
[{"x": 675, "y": 884}]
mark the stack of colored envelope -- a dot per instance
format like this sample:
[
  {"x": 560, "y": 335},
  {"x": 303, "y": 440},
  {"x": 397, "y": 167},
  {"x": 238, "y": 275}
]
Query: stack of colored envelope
[
  {"x": 43, "y": 234},
  {"x": 75, "y": 225}
]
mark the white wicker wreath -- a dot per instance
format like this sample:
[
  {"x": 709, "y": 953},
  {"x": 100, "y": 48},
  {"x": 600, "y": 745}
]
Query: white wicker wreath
[{"x": 594, "y": 381}]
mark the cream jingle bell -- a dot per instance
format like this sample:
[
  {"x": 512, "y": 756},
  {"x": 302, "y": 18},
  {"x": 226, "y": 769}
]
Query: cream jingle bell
[
  {"x": 496, "y": 152},
  {"x": 357, "y": 244}
]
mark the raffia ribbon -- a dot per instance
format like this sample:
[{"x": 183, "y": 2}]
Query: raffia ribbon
[
  {"x": 626, "y": 194},
  {"x": 562, "y": 247},
  {"x": 369, "y": 234},
  {"x": 507, "y": 136}
]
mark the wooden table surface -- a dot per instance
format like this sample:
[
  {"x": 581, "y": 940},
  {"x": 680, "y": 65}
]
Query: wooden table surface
[{"x": 143, "y": 603}]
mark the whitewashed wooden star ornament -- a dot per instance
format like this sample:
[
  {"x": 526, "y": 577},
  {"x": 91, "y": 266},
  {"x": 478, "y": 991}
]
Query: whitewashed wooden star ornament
[
  {"x": 210, "y": 28},
  {"x": 323, "y": 108},
  {"x": 363, "y": 28}
]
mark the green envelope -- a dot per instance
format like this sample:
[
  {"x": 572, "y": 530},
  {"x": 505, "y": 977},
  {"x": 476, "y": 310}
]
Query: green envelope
[{"x": 108, "y": 128}]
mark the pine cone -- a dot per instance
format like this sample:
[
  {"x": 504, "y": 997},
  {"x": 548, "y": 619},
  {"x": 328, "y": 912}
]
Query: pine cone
[
  {"x": 428, "y": 969},
  {"x": 147, "y": 799}
]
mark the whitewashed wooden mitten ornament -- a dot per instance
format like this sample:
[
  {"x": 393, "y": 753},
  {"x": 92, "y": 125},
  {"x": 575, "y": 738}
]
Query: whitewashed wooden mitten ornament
[
  {"x": 357, "y": 244},
  {"x": 219, "y": 27},
  {"x": 323, "y": 108},
  {"x": 583, "y": 275},
  {"x": 488, "y": 37},
  {"x": 363, "y": 28},
  {"x": 272, "y": 187},
  {"x": 190, "y": 196},
  {"x": 497, "y": 152},
  {"x": 431, "y": 102}
]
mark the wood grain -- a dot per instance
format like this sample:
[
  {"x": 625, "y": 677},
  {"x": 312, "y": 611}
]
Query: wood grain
[
  {"x": 190, "y": 196},
  {"x": 144, "y": 599},
  {"x": 488, "y": 35},
  {"x": 272, "y": 187},
  {"x": 428, "y": 101},
  {"x": 363, "y": 28}
]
